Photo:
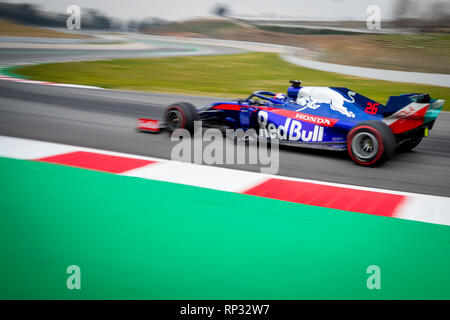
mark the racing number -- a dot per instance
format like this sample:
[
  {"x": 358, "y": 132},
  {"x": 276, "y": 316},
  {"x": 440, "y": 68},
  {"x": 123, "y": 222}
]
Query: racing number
[{"x": 372, "y": 108}]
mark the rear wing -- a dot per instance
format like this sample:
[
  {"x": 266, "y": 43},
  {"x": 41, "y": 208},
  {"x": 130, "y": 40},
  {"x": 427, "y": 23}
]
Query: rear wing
[
  {"x": 395, "y": 103},
  {"x": 414, "y": 115}
]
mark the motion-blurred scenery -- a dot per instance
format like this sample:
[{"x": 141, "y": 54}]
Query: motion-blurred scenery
[
  {"x": 413, "y": 36},
  {"x": 85, "y": 86}
]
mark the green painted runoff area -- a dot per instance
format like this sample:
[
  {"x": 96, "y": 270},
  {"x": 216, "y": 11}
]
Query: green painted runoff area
[{"x": 142, "y": 239}]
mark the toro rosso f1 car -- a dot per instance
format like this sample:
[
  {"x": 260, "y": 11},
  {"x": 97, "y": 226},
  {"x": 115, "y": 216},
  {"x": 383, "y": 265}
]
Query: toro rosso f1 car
[{"x": 318, "y": 117}]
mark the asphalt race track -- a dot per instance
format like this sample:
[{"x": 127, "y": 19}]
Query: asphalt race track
[{"x": 106, "y": 119}]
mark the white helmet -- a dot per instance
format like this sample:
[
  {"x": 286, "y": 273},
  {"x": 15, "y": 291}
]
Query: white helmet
[{"x": 280, "y": 96}]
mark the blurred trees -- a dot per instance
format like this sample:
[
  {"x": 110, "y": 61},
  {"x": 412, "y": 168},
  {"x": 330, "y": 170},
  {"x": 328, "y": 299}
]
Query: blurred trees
[
  {"x": 94, "y": 19},
  {"x": 402, "y": 9},
  {"x": 33, "y": 15},
  {"x": 434, "y": 17},
  {"x": 30, "y": 14},
  {"x": 90, "y": 18},
  {"x": 221, "y": 10}
]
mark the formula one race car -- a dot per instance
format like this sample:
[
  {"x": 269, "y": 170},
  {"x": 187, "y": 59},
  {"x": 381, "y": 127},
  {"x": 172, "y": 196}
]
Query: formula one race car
[{"x": 318, "y": 117}]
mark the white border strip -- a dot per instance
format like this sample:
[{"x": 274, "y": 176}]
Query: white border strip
[
  {"x": 7, "y": 77},
  {"x": 434, "y": 79}
]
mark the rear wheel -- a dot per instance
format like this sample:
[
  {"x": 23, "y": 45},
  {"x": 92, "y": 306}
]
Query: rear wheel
[
  {"x": 180, "y": 115},
  {"x": 370, "y": 143},
  {"x": 409, "y": 144}
]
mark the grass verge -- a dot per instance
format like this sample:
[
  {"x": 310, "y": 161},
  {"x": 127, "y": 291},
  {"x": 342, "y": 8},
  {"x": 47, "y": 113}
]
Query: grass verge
[{"x": 227, "y": 76}]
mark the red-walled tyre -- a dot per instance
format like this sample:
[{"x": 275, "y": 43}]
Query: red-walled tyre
[
  {"x": 370, "y": 143},
  {"x": 180, "y": 115}
]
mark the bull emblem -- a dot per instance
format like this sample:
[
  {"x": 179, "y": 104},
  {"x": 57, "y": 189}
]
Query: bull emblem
[{"x": 313, "y": 97}]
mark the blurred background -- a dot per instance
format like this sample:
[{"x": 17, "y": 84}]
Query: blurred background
[
  {"x": 154, "y": 53},
  {"x": 414, "y": 34}
]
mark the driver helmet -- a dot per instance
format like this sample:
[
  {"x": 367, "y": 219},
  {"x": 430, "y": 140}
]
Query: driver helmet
[{"x": 280, "y": 96}]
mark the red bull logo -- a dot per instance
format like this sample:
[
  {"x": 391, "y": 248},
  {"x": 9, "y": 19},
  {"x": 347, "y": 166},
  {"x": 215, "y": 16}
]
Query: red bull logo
[{"x": 291, "y": 130}]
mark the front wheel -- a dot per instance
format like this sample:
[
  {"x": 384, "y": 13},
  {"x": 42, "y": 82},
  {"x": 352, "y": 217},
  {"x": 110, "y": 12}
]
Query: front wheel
[
  {"x": 180, "y": 115},
  {"x": 370, "y": 143}
]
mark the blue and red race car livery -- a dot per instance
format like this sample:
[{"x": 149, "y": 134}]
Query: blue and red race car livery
[{"x": 318, "y": 117}]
